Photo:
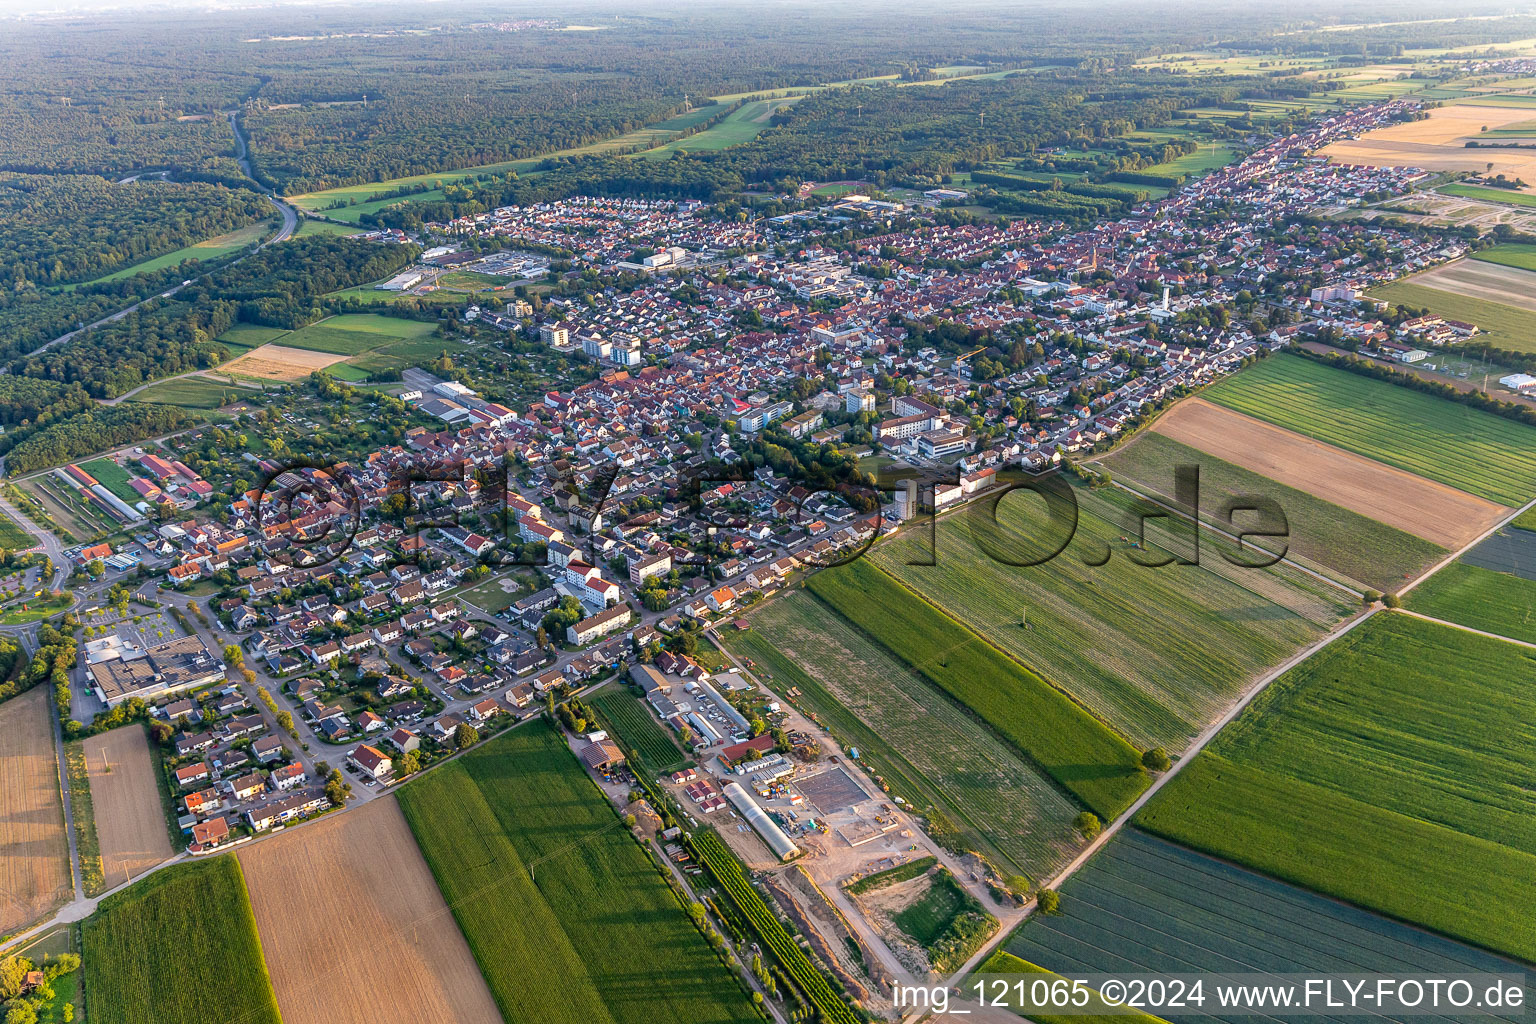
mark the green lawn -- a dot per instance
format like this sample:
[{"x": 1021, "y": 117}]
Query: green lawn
[
  {"x": 1199, "y": 162},
  {"x": 1521, "y": 255},
  {"x": 1155, "y": 652},
  {"x": 976, "y": 791},
  {"x": 1362, "y": 549},
  {"x": 1387, "y": 771},
  {"x": 1503, "y": 326},
  {"x": 947, "y": 921},
  {"x": 353, "y": 334},
  {"x": 36, "y": 608},
  {"x": 1042, "y": 722},
  {"x": 633, "y": 723},
  {"x": 1467, "y": 448},
  {"x": 1495, "y": 602},
  {"x": 179, "y": 947},
  {"x": 925, "y": 919},
  {"x": 113, "y": 477},
  {"x": 568, "y": 918}
]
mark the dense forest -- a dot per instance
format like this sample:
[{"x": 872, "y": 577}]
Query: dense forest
[
  {"x": 281, "y": 286},
  {"x": 447, "y": 86},
  {"x": 892, "y": 135},
  {"x": 67, "y": 228},
  {"x": 91, "y": 431}
]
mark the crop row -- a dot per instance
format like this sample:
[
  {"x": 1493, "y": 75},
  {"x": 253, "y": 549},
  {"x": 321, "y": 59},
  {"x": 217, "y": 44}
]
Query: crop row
[
  {"x": 727, "y": 871},
  {"x": 1040, "y": 721}
]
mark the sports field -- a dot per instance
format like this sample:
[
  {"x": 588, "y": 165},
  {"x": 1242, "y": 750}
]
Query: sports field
[
  {"x": 178, "y": 947},
  {"x": 1467, "y": 448},
  {"x": 1040, "y": 721},
  {"x": 1501, "y": 324},
  {"x": 1495, "y": 602},
  {"x": 932, "y": 753},
  {"x": 389, "y": 939},
  {"x": 1362, "y": 549},
  {"x": 567, "y": 917},
  {"x": 1434, "y": 512},
  {"x": 640, "y": 732},
  {"x": 125, "y": 796},
  {"x": 1145, "y": 906},
  {"x": 1155, "y": 652},
  {"x": 34, "y": 850},
  {"x": 1382, "y": 771}
]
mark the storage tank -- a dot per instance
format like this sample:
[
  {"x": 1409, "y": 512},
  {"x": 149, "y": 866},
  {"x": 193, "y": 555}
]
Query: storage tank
[{"x": 774, "y": 836}]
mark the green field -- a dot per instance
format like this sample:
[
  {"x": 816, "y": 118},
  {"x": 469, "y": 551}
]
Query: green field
[
  {"x": 1502, "y": 326},
  {"x": 1156, "y": 652},
  {"x": 568, "y": 918},
  {"x": 1076, "y": 749},
  {"x": 13, "y": 536},
  {"x": 113, "y": 477},
  {"x": 1209, "y": 916},
  {"x": 310, "y": 226},
  {"x": 946, "y": 921},
  {"x": 640, "y": 732},
  {"x": 352, "y": 334},
  {"x": 209, "y": 249},
  {"x": 241, "y": 338},
  {"x": 1489, "y": 195},
  {"x": 1521, "y": 255},
  {"x": 930, "y": 752},
  {"x": 1467, "y": 448},
  {"x": 1200, "y": 161},
  {"x": 743, "y": 125},
  {"x": 1362, "y": 549},
  {"x": 192, "y": 393},
  {"x": 179, "y": 947},
  {"x": 1385, "y": 771},
  {"x": 1494, "y": 602}
]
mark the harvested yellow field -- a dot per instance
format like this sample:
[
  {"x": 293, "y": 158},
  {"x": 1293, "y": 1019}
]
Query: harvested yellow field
[
  {"x": 279, "y": 362},
  {"x": 1438, "y": 143},
  {"x": 1424, "y": 508},
  {"x": 351, "y": 921},
  {"x": 34, "y": 850},
  {"x": 130, "y": 823}
]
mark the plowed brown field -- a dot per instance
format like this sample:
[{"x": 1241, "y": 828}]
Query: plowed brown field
[
  {"x": 130, "y": 823},
  {"x": 1438, "y": 513},
  {"x": 354, "y": 929},
  {"x": 34, "y": 850}
]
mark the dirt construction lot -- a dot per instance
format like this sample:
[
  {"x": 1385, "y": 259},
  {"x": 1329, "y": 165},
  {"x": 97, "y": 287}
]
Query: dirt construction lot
[
  {"x": 279, "y": 362},
  {"x": 1509, "y": 285},
  {"x": 34, "y": 851},
  {"x": 1438, "y": 513},
  {"x": 130, "y": 823},
  {"x": 354, "y": 929},
  {"x": 1436, "y": 144}
]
